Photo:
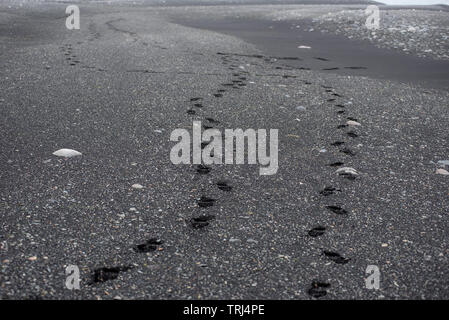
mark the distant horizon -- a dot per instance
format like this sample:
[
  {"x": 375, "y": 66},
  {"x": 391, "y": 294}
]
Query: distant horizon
[{"x": 414, "y": 2}]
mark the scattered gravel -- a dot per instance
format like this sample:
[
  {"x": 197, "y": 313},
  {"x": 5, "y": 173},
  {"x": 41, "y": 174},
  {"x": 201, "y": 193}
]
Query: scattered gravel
[{"x": 421, "y": 32}]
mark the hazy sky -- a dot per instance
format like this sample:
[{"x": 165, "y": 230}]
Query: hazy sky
[{"x": 415, "y": 1}]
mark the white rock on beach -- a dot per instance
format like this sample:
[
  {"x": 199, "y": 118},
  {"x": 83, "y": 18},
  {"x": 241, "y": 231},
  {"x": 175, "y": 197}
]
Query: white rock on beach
[
  {"x": 352, "y": 123},
  {"x": 442, "y": 171},
  {"x": 304, "y": 47},
  {"x": 137, "y": 186},
  {"x": 67, "y": 153},
  {"x": 347, "y": 170}
]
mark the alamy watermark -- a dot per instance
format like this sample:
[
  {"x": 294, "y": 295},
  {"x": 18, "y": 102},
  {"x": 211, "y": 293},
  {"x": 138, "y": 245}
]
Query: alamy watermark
[
  {"x": 373, "y": 280},
  {"x": 72, "y": 281},
  {"x": 72, "y": 22},
  {"x": 373, "y": 20},
  {"x": 207, "y": 147}
]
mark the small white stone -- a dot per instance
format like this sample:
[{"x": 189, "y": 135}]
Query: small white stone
[
  {"x": 352, "y": 123},
  {"x": 304, "y": 47},
  {"x": 301, "y": 108},
  {"x": 442, "y": 171},
  {"x": 347, "y": 170},
  {"x": 67, "y": 153},
  {"x": 137, "y": 186}
]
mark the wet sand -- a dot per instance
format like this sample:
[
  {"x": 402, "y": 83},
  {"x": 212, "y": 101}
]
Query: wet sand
[{"x": 329, "y": 52}]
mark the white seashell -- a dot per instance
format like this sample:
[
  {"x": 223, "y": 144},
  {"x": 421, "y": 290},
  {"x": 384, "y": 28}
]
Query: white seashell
[
  {"x": 352, "y": 123},
  {"x": 347, "y": 170},
  {"x": 442, "y": 171},
  {"x": 137, "y": 186},
  {"x": 67, "y": 153}
]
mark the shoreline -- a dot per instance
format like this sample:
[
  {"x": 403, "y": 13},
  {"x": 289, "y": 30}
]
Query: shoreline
[{"x": 329, "y": 53}]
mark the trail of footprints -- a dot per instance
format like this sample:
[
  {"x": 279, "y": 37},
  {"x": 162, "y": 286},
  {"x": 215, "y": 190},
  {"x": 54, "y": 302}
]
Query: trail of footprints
[
  {"x": 239, "y": 77},
  {"x": 318, "y": 289},
  {"x": 72, "y": 59},
  {"x": 237, "y": 82}
]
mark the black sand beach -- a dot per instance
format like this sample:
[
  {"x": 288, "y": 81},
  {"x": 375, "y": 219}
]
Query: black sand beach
[{"x": 362, "y": 158}]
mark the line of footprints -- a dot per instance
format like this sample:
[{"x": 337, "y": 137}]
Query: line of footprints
[
  {"x": 239, "y": 77},
  {"x": 198, "y": 222},
  {"x": 318, "y": 288}
]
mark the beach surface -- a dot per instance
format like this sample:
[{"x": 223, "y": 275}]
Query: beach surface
[{"x": 125, "y": 214}]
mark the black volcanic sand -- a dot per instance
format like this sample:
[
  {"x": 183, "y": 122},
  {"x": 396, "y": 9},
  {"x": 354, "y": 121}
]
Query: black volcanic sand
[
  {"x": 117, "y": 88},
  {"x": 345, "y": 56}
]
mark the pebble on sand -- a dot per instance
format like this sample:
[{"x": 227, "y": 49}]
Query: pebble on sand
[
  {"x": 137, "y": 186},
  {"x": 347, "y": 170},
  {"x": 352, "y": 123},
  {"x": 442, "y": 171},
  {"x": 67, "y": 153}
]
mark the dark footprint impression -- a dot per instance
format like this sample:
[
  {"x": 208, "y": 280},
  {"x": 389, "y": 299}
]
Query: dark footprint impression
[
  {"x": 356, "y": 68},
  {"x": 202, "y": 169},
  {"x": 352, "y": 134},
  {"x": 191, "y": 111},
  {"x": 328, "y": 69},
  {"x": 205, "y": 202},
  {"x": 105, "y": 274},
  {"x": 337, "y": 143},
  {"x": 223, "y": 185},
  {"x": 317, "y": 231},
  {"x": 328, "y": 191},
  {"x": 195, "y": 99},
  {"x": 321, "y": 59},
  {"x": 318, "y": 289},
  {"x": 335, "y": 257},
  {"x": 337, "y": 209},
  {"x": 201, "y": 221},
  {"x": 218, "y": 95},
  {"x": 149, "y": 245},
  {"x": 336, "y": 164},
  {"x": 212, "y": 120}
]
